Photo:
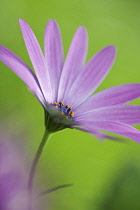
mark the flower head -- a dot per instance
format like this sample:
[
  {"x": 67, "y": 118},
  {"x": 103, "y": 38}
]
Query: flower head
[{"x": 64, "y": 88}]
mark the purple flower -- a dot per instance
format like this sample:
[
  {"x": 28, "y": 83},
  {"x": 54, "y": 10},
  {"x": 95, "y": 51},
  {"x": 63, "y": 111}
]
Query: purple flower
[
  {"x": 13, "y": 193},
  {"x": 60, "y": 85}
]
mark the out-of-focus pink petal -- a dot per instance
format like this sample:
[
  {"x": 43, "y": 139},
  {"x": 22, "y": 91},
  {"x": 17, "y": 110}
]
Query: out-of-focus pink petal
[
  {"x": 13, "y": 186},
  {"x": 91, "y": 76},
  {"x": 113, "y": 127},
  {"x": 22, "y": 70},
  {"x": 74, "y": 62},
  {"x": 37, "y": 59},
  {"x": 129, "y": 114},
  {"x": 111, "y": 96},
  {"x": 54, "y": 55}
]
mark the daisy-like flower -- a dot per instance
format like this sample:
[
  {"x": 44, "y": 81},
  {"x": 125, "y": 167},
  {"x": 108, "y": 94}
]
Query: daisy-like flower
[{"x": 64, "y": 88}]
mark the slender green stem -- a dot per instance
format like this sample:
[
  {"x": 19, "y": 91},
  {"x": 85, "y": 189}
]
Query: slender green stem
[{"x": 34, "y": 164}]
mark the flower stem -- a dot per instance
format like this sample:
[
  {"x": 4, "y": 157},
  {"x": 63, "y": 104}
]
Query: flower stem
[{"x": 34, "y": 164}]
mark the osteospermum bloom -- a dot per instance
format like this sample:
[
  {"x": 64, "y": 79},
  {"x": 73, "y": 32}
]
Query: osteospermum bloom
[{"x": 64, "y": 88}]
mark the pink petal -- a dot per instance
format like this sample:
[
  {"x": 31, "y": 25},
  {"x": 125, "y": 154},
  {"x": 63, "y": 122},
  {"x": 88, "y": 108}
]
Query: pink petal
[
  {"x": 74, "y": 62},
  {"x": 114, "y": 127},
  {"x": 54, "y": 55},
  {"x": 91, "y": 76},
  {"x": 37, "y": 59},
  {"x": 128, "y": 114},
  {"x": 111, "y": 96},
  {"x": 98, "y": 134},
  {"x": 22, "y": 70}
]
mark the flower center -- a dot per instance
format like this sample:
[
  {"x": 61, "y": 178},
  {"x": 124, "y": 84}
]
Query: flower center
[{"x": 65, "y": 110}]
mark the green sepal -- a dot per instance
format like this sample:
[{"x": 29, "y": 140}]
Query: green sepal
[{"x": 54, "y": 121}]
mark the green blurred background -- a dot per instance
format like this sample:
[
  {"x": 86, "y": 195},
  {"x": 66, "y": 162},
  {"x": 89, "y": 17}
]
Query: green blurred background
[{"x": 106, "y": 175}]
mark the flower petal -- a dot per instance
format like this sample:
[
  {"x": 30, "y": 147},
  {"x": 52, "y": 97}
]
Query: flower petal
[
  {"x": 101, "y": 136},
  {"x": 114, "y": 127},
  {"x": 129, "y": 114},
  {"x": 53, "y": 54},
  {"x": 74, "y": 62},
  {"x": 22, "y": 70},
  {"x": 91, "y": 76},
  {"x": 37, "y": 59},
  {"x": 111, "y": 96}
]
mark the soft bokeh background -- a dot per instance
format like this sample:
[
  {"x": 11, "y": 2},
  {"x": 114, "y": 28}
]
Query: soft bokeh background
[{"x": 106, "y": 175}]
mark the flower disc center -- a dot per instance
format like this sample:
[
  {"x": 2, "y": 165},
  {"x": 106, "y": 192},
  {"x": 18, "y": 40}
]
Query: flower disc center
[{"x": 65, "y": 110}]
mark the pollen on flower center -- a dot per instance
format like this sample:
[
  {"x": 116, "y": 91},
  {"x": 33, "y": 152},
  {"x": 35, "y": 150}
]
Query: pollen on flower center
[{"x": 65, "y": 110}]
